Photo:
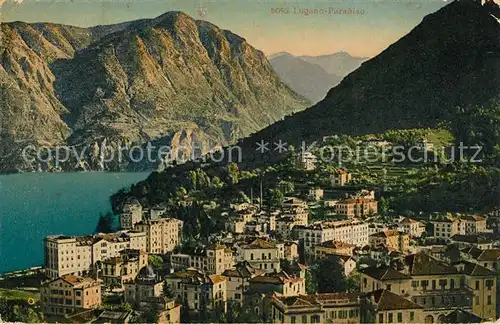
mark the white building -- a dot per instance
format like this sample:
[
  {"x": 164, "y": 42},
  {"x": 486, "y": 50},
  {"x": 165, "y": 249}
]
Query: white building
[
  {"x": 162, "y": 235},
  {"x": 352, "y": 232},
  {"x": 77, "y": 255}
]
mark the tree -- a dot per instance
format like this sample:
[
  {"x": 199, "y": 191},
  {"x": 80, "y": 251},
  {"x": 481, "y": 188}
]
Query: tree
[
  {"x": 276, "y": 197},
  {"x": 156, "y": 262},
  {"x": 329, "y": 275},
  {"x": 311, "y": 284},
  {"x": 105, "y": 223}
]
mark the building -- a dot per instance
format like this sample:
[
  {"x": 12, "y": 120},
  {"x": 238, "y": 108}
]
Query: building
[
  {"x": 480, "y": 241},
  {"x": 79, "y": 255},
  {"x": 392, "y": 239},
  {"x": 350, "y": 231},
  {"x": 125, "y": 267},
  {"x": 488, "y": 258},
  {"x": 145, "y": 286},
  {"x": 355, "y": 207},
  {"x": 238, "y": 280},
  {"x": 449, "y": 226},
  {"x": 277, "y": 282},
  {"x": 341, "y": 308},
  {"x": 285, "y": 225},
  {"x": 306, "y": 161},
  {"x": 260, "y": 254},
  {"x": 213, "y": 260},
  {"x": 70, "y": 294},
  {"x": 162, "y": 235},
  {"x": 340, "y": 178},
  {"x": 412, "y": 227},
  {"x": 438, "y": 287},
  {"x": 290, "y": 251},
  {"x": 484, "y": 285},
  {"x": 384, "y": 306},
  {"x": 198, "y": 291},
  {"x": 131, "y": 215},
  {"x": 315, "y": 194},
  {"x": 333, "y": 247}
]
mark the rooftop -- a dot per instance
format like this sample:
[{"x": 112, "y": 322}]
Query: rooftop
[
  {"x": 387, "y": 301},
  {"x": 384, "y": 273},
  {"x": 423, "y": 264}
]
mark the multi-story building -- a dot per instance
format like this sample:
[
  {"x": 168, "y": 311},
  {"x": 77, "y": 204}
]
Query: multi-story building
[
  {"x": 277, "y": 282},
  {"x": 341, "y": 308},
  {"x": 78, "y": 254},
  {"x": 238, "y": 280},
  {"x": 70, "y": 294},
  {"x": 315, "y": 194},
  {"x": 214, "y": 260},
  {"x": 340, "y": 178},
  {"x": 125, "y": 267},
  {"x": 146, "y": 286},
  {"x": 198, "y": 291},
  {"x": 412, "y": 227},
  {"x": 384, "y": 306},
  {"x": 392, "y": 239},
  {"x": 285, "y": 225},
  {"x": 131, "y": 215},
  {"x": 162, "y": 235},
  {"x": 355, "y": 207},
  {"x": 484, "y": 285},
  {"x": 351, "y": 232},
  {"x": 290, "y": 251},
  {"x": 448, "y": 226},
  {"x": 437, "y": 286},
  {"x": 261, "y": 254},
  {"x": 306, "y": 161}
]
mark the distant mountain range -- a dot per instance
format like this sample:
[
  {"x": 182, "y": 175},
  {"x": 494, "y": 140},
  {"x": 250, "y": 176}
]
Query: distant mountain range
[
  {"x": 313, "y": 76},
  {"x": 449, "y": 63},
  {"x": 172, "y": 79}
]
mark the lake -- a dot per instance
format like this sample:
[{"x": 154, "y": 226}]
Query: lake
[{"x": 34, "y": 205}]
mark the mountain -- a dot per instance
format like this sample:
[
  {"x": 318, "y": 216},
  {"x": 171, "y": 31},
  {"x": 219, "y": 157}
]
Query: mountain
[
  {"x": 309, "y": 80},
  {"x": 341, "y": 63},
  {"x": 172, "y": 80},
  {"x": 450, "y": 62}
]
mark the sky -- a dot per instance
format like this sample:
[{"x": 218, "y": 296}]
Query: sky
[{"x": 301, "y": 27}]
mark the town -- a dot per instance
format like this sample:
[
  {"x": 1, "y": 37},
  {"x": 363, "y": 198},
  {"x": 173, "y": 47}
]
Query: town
[{"x": 312, "y": 254}]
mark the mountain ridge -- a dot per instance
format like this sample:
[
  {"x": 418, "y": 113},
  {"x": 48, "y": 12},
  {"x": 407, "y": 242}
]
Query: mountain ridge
[{"x": 170, "y": 77}]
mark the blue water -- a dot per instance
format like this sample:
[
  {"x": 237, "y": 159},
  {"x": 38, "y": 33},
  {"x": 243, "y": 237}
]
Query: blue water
[{"x": 34, "y": 205}]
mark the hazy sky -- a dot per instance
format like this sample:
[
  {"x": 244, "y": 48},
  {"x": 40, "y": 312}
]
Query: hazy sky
[{"x": 271, "y": 25}]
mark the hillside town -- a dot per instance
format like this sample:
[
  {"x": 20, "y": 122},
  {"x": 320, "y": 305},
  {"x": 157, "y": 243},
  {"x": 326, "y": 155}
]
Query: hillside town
[{"x": 281, "y": 265}]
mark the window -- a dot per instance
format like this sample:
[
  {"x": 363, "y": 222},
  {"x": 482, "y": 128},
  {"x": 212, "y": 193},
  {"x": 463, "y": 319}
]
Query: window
[
  {"x": 477, "y": 284},
  {"x": 400, "y": 317},
  {"x": 304, "y": 318},
  {"x": 389, "y": 287},
  {"x": 489, "y": 299},
  {"x": 412, "y": 316},
  {"x": 390, "y": 318},
  {"x": 381, "y": 318},
  {"x": 489, "y": 284},
  {"x": 292, "y": 319},
  {"x": 78, "y": 293},
  {"x": 433, "y": 284},
  {"x": 477, "y": 300},
  {"x": 462, "y": 282},
  {"x": 414, "y": 284},
  {"x": 442, "y": 283},
  {"x": 237, "y": 296},
  {"x": 452, "y": 284},
  {"x": 424, "y": 284}
]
